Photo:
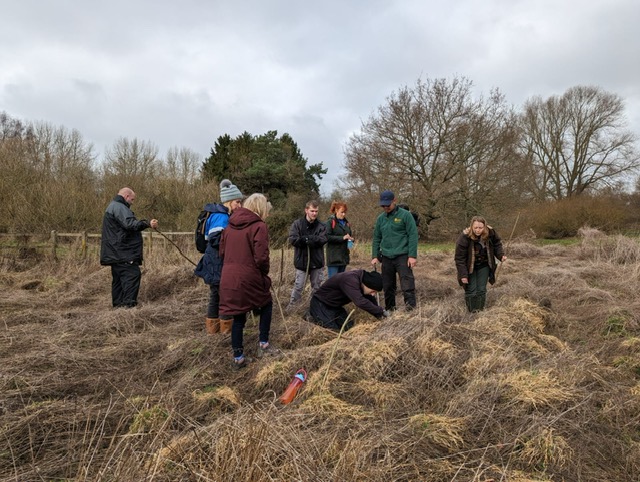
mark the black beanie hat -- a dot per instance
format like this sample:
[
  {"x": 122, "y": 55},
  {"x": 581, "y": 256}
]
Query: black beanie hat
[{"x": 372, "y": 280}]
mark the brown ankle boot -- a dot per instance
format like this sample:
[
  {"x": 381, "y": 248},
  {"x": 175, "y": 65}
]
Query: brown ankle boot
[
  {"x": 225, "y": 325},
  {"x": 212, "y": 325}
]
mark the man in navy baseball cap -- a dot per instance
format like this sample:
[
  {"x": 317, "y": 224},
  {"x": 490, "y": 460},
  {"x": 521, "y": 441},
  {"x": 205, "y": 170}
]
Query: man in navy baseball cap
[
  {"x": 387, "y": 198},
  {"x": 395, "y": 246}
]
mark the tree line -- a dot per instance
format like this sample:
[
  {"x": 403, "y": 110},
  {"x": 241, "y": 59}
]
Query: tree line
[
  {"x": 452, "y": 155},
  {"x": 446, "y": 152}
]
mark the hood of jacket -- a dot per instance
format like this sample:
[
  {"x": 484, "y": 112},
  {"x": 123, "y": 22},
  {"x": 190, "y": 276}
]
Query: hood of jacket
[
  {"x": 215, "y": 208},
  {"x": 242, "y": 218}
]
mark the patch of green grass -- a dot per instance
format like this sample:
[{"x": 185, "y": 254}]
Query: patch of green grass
[
  {"x": 149, "y": 419},
  {"x": 561, "y": 242},
  {"x": 615, "y": 325},
  {"x": 196, "y": 351},
  {"x": 627, "y": 362},
  {"x": 441, "y": 247},
  {"x": 621, "y": 361}
]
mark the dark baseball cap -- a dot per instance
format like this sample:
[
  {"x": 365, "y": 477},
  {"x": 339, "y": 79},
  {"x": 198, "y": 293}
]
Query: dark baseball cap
[{"x": 386, "y": 198}]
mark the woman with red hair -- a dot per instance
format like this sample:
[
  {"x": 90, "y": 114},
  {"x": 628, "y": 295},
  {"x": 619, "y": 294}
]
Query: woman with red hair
[{"x": 340, "y": 239}]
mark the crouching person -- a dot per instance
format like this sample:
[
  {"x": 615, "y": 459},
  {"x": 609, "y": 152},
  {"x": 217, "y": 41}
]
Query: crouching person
[{"x": 357, "y": 286}]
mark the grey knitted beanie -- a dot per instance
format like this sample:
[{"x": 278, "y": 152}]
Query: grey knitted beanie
[{"x": 229, "y": 191}]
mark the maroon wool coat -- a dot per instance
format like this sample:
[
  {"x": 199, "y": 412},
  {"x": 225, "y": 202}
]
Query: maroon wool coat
[{"x": 244, "y": 247}]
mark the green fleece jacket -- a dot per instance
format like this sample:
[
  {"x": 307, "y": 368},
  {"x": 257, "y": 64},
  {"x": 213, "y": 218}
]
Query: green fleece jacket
[{"x": 395, "y": 234}]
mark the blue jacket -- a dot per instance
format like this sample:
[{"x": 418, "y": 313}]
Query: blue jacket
[{"x": 209, "y": 267}]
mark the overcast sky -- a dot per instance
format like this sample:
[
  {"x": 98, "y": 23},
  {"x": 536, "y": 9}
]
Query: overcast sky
[{"x": 183, "y": 73}]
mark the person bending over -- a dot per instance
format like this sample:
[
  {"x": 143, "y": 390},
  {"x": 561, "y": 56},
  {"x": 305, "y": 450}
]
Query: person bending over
[{"x": 357, "y": 286}]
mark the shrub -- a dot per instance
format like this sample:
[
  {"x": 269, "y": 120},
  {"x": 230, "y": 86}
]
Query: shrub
[{"x": 560, "y": 219}]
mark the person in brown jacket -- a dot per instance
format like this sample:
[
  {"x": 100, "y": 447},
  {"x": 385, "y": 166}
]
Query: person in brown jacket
[
  {"x": 245, "y": 284},
  {"x": 477, "y": 248}
]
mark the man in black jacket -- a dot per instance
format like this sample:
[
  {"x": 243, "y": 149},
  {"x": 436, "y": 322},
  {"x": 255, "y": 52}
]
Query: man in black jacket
[
  {"x": 122, "y": 247},
  {"x": 308, "y": 236},
  {"x": 357, "y": 286}
]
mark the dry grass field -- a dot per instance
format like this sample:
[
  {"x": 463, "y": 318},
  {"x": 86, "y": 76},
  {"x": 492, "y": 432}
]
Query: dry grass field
[{"x": 542, "y": 386}]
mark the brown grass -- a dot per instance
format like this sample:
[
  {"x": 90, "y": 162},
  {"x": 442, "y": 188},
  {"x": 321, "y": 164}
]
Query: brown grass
[{"x": 543, "y": 385}]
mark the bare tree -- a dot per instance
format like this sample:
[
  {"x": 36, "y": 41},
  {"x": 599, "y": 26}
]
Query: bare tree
[
  {"x": 131, "y": 159},
  {"x": 57, "y": 153},
  {"x": 183, "y": 164},
  {"x": 576, "y": 142},
  {"x": 46, "y": 176},
  {"x": 437, "y": 147}
]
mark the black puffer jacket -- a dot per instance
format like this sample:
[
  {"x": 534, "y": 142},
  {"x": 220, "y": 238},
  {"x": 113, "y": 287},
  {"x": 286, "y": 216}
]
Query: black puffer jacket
[
  {"x": 308, "y": 238},
  {"x": 121, "y": 234}
]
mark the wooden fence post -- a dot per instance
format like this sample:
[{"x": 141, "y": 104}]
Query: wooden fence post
[
  {"x": 281, "y": 264},
  {"x": 150, "y": 241},
  {"x": 54, "y": 244},
  {"x": 84, "y": 244}
]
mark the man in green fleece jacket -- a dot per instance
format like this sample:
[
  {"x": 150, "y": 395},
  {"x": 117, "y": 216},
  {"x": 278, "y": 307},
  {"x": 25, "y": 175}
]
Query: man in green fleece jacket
[{"x": 395, "y": 245}]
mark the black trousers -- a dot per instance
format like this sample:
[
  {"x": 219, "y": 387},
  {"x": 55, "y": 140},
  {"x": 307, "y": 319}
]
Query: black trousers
[
  {"x": 125, "y": 284},
  {"x": 399, "y": 266},
  {"x": 327, "y": 316},
  {"x": 214, "y": 301}
]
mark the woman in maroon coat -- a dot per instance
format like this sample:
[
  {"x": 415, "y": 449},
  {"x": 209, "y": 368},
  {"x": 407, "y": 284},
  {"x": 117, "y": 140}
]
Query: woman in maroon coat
[{"x": 245, "y": 284}]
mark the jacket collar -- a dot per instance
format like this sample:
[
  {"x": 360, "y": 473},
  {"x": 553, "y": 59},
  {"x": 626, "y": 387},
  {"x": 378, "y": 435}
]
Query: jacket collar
[{"x": 120, "y": 199}]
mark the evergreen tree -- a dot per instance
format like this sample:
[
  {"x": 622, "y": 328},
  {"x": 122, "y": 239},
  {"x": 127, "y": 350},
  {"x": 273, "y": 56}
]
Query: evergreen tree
[{"x": 266, "y": 163}]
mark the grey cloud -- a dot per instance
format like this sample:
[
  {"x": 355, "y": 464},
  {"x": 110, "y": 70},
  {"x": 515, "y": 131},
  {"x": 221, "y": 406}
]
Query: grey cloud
[{"x": 184, "y": 73}]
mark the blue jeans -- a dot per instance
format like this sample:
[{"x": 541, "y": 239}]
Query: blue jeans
[{"x": 331, "y": 270}]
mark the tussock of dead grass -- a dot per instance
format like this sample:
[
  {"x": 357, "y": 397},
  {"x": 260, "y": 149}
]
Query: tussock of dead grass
[
  {"x": 545, "y": 450},
  {"x": 383, "y": 395},
  {"x": 617, "y": 249},
  {"x": 439, "y": 429},
  {"x": 372, "y": 359},
  {"x": 326, "y": 405},
  {"x": 557, "y": 250},
  {"x": 220, "y": 398},
  {"x": 589, "y": 233},
  {"x": 518, "y": 327},
  {"x": 536, "y": 388},
  {"x": 524, "y": 250},
  {"x": 434, "y": 349},
  {"x": 273, "y": 373}
]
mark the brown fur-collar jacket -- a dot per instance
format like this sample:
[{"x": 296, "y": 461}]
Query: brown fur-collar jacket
[{"x": 465, "y": 256}]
